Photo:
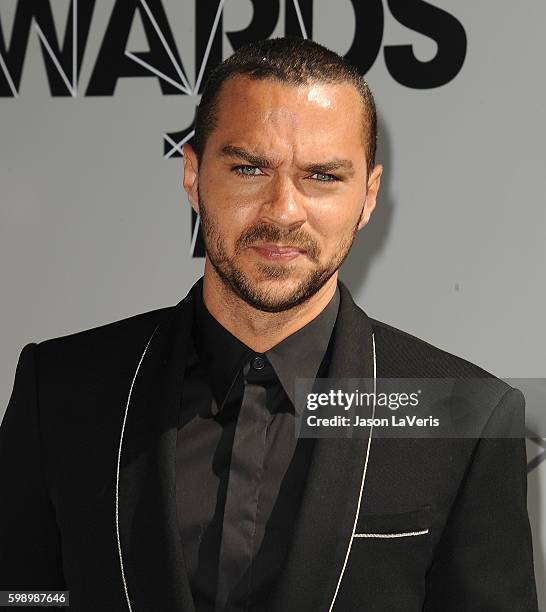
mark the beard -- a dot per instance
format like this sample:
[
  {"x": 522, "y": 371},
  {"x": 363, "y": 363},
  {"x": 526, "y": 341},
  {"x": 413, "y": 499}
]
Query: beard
[{"x": 269, "y": 299}]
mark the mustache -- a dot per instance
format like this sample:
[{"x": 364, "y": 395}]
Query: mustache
[{"x": 271, "y": 233}]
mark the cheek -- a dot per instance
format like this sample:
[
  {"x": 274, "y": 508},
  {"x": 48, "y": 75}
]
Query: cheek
[
  {"x": 334, "y": 220},
  {"x": 231, "y": 201},
  {"x": 231, "y": 216}
]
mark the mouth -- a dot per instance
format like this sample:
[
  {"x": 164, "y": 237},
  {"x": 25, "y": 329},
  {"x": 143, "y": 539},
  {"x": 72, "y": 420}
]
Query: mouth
[{"x": 277, "y": 252}]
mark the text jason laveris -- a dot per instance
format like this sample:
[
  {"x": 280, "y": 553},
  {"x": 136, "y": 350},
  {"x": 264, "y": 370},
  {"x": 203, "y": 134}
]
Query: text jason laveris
[{"x": 394, "y": 421}]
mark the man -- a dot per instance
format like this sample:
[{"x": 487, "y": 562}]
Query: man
[{"x": 152, "y": 464}]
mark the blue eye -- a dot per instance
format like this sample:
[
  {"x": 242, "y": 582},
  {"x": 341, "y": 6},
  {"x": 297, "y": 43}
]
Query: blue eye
[
  {"x": 325, "y": 178},
  {"x": 246, "y": 170}
]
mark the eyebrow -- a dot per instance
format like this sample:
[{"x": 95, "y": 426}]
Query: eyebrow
[
  {"x": 345, "y": 165},
  {"x": 234, "y": 152},
  {"x": 240, "y": 153}
]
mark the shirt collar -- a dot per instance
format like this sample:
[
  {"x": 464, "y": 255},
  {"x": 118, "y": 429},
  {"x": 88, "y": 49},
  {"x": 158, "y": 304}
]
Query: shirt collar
[
  {"x": 220, "y": 352},
  {"x": 223, "y": 355},
  {"x": 300, "y": 354}
]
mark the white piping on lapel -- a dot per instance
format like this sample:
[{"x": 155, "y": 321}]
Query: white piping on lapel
[
  {"x": 363, "y": 479},
  {"x": 117, "y": 471}
]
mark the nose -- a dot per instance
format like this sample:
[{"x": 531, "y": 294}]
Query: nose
[{"x": 284, "y": 205}]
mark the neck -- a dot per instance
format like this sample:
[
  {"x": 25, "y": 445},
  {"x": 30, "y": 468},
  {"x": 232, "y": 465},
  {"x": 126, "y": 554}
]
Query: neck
[{"x": 257, "y": 329}]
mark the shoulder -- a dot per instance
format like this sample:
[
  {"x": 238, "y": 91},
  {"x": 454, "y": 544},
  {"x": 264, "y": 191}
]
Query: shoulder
[
  {"x": 104, "y": 343},
  {"x": 402, "y": 354},
  {"x": 409, "y": 352}
]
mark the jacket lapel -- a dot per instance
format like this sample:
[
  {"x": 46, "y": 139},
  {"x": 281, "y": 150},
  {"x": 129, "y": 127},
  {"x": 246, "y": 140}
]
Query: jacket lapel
[
  {"x": 151, "y": 557},
  {"x": 332, "y": 496},
  {"x": 152, "y": 565}
]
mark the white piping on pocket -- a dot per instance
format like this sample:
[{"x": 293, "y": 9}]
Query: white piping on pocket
[{"x": 404, "y": 534}]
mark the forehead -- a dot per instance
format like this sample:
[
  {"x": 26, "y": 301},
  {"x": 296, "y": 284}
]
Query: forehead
[{"x": 310, "y": 119}]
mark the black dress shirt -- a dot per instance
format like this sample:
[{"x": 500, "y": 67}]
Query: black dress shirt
[{"x": 240, "y": 469}]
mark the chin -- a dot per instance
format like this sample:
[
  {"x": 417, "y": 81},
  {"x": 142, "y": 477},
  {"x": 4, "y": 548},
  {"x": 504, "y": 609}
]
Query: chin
[{"x": 283, "y": 282}]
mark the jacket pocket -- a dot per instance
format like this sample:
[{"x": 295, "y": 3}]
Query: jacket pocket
[
  {"x": 394, "y": 525},
  {"x": 387, "y": 566}
]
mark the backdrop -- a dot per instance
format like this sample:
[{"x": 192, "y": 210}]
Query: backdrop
[{"x": 98, "y": 96}]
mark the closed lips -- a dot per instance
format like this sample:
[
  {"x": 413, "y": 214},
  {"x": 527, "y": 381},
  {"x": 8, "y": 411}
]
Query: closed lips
[{"x": 274, "y": 248}]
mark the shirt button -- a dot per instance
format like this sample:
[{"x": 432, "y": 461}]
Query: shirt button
[{"x": 258, "y": 363}]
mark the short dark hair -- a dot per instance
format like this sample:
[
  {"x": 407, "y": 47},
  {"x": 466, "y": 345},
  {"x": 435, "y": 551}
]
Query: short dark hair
[{"x": 295, "y": 61}]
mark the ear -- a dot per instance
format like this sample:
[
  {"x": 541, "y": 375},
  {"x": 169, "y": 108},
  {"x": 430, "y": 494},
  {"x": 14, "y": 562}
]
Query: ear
[
  {"x": 191, "y": 175},
  {"x": 374, "y": 181}
]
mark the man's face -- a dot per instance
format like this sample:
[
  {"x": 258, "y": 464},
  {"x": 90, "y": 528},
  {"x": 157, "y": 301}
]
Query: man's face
[{"x": 281, "y": 188}]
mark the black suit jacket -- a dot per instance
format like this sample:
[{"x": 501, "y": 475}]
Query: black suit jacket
[{"x": 87, "y": 481}]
